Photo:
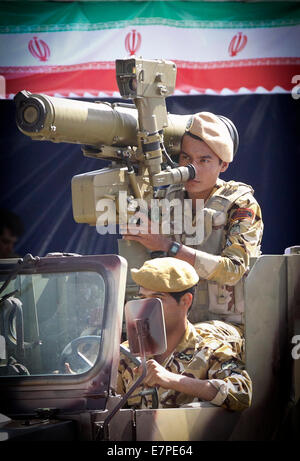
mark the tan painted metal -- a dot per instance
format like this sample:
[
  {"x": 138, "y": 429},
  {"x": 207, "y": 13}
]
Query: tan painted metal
[
  {"x": 203, "y": 422},
  {"x": 268, "y": 352},
  {"x": 293, "y": 280},
  {"x": 98, "y": 124}
]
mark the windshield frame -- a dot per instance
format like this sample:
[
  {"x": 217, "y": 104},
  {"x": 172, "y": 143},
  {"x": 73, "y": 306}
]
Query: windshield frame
[{"x": 97, "y": 379}]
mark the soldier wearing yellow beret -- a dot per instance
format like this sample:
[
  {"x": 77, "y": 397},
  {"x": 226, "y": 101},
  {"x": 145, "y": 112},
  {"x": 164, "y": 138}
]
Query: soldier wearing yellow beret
[
  {"x": 232, "y": 221},
  {"x": 200, "y": 364}
]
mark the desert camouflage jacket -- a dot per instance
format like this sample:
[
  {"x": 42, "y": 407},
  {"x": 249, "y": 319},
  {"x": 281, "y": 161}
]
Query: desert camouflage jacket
[
  {"x": 215, "y": 351},
  {"x": 233, "y": 229},
  {"x": 232, "y": 233}
]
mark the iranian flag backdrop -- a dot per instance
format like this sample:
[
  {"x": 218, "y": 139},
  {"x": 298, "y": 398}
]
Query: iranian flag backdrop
[{"x": 69, "y": 49}]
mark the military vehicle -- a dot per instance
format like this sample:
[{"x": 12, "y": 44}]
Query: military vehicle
[{"x": 61, "y": 315}]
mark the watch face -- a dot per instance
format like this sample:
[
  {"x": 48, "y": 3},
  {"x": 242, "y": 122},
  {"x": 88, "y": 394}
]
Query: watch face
[{"x": 174, "y": 248}]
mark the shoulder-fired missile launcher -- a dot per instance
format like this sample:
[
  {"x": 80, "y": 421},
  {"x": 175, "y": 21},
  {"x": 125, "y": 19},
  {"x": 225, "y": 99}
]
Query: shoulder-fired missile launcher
[{"x": 136, "y": 137}]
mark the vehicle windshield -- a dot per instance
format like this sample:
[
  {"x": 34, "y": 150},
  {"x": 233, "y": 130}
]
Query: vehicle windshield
[{"x": 51, "y": 323}]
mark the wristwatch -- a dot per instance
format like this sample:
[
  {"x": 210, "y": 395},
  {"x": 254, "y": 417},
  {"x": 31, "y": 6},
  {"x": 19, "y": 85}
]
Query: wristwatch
[{"x": 174, "y": 248}]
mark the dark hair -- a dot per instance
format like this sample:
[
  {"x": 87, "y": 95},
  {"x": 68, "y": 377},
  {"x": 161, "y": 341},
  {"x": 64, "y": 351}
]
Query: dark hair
[
  {"x": 178, "y": 295},
  {"x": 11, "y": 221}
]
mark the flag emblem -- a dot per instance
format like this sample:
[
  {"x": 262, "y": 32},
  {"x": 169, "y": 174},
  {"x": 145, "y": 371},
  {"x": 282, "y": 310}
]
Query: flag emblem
[
  {"x": 237, "y": 44},
  {"x": 39, "y": 49},
  {"x": 133, "y": 42}
]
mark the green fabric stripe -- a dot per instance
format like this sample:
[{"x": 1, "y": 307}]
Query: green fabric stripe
[{"x": 30, "y": 17}]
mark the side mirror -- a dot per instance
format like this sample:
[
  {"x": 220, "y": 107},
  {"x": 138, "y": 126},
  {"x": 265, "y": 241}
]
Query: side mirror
[
  {"x": 145, "y": 325},
  {"x": 146, "y": 333}
]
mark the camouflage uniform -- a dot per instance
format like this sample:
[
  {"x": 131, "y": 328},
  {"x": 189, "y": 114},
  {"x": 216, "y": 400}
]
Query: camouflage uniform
[
  {"x": 215, "y": 351},
  {"x": 233, "y": 230}
]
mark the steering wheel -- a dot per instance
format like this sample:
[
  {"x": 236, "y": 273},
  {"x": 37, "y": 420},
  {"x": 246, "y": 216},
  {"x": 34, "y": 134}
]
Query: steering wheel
[{"x": 79, "y": 363}]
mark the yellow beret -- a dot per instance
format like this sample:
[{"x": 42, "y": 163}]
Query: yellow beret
[
  {"x": 213, "y": 132},
  {"x": 165, "y": 275}
]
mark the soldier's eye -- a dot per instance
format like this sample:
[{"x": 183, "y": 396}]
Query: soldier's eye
[{"x": 184, "y": 157}]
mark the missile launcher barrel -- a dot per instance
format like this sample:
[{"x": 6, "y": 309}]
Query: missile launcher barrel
[{"x": 90, "y": 123}]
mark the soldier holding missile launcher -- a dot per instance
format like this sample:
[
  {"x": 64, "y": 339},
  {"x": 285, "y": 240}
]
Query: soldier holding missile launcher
[{"x": 139, "y": 139}]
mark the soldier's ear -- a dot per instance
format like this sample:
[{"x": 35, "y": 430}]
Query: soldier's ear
[
  {"x": 186, "y": 301},
  {"x": 224, "y": 166}
]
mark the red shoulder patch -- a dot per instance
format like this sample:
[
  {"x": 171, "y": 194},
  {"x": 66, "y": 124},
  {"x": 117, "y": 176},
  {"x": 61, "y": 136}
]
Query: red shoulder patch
[{"x": 242, "y": 213}]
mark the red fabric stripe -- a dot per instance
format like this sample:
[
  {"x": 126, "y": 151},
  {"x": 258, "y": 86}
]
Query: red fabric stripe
[
  {"x": 90, "y": 81},
  {"x": 103, "y": 80},
  {"x": 234, "y": 78}
]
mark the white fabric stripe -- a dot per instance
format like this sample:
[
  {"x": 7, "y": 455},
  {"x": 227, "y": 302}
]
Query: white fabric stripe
[
  {"x": 208, "y": 91},
  {"x": 47, "y": 69},
  {"x": 199, "y": 45}
]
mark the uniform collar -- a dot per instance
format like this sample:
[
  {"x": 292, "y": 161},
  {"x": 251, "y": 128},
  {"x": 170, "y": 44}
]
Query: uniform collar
[
  {"x": 189, "y": 340},
  {"x": 219, "y": 183},
  {"x": 190, "y": 336}
]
